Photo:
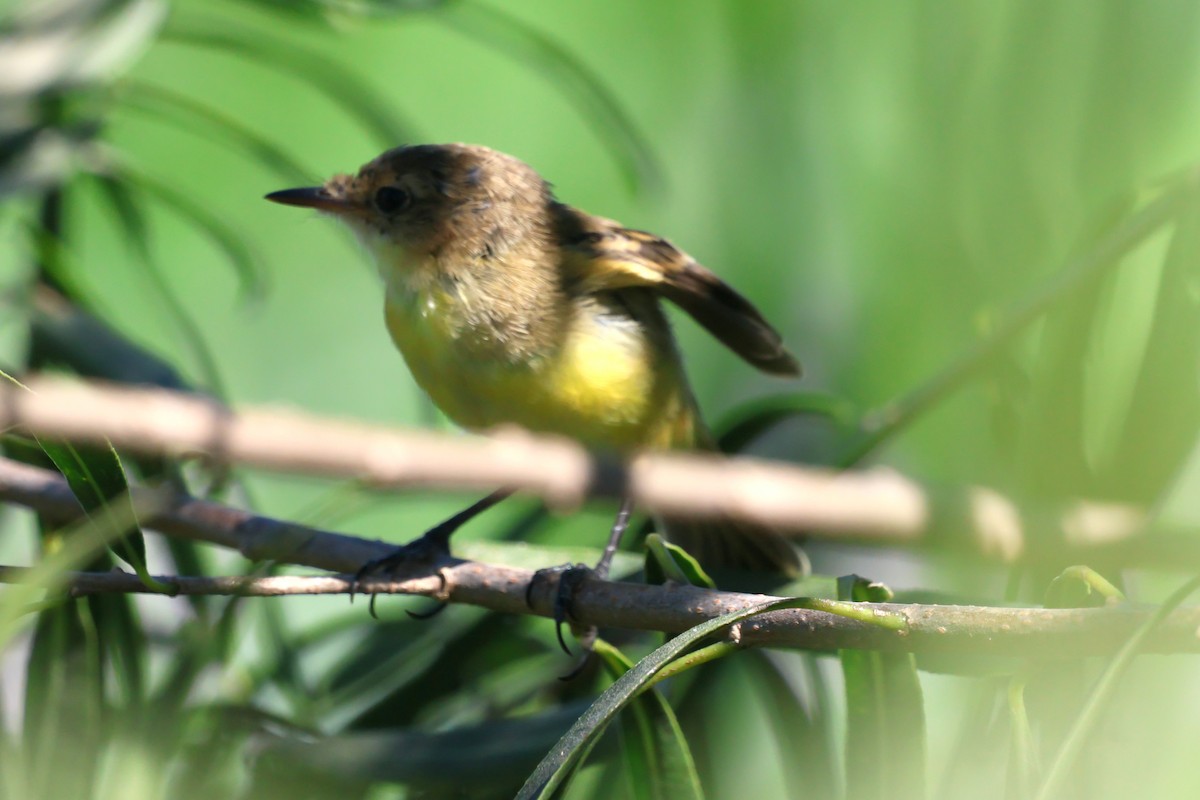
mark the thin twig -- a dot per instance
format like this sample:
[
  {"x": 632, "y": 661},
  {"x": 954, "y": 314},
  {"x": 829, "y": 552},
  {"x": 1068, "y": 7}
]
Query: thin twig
[{"x": 963, "y": 630}]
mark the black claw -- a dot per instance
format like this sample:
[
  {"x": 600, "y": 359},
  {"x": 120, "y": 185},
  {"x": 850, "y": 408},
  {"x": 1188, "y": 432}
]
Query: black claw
[
  {"x": 438, "y": 608},
  {"x": 580, "y": 665},
  {"x": 562, "y": 642},
  {"x": 570, "y": 576},
  {"x": 430, "y": 549}
]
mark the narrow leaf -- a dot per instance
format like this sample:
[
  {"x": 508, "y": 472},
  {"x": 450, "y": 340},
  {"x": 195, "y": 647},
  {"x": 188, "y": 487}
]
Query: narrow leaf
[
  {"x": 885, "y": 718},
  {"x": 579, "y": 85},
  {"x": 565, "y": 756},
  {"x": 327, "y": 76},
  {"x": 1058, "y": 775}
]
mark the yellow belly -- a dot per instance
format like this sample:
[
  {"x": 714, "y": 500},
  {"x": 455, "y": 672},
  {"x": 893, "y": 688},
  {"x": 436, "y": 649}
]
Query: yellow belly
[{"x": 605, "y": 382}]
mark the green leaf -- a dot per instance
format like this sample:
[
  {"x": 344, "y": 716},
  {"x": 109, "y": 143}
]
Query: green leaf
[
  {"x": 567, "y": 754},
  {"x": 326, "y": 75},
  {"x": 98, "y": 482},
  {"x": 199, "y": 216},
  {"x": 1081, "y": 587},
  {"x": 1022, "y": 762},
  {"x": 185, "y": 113},
  {"x": 64, "y": 694},
  {"x": 1059, "y": 773},
  {"x": 800, "y": 708},
  {"x": 97, "y": 479},
  {"x": 885, "y": 718},
  {"x": 741, "y": 426},
  {"x": 491, "y": 755},
  {"x": 129, "y": 216},
  {"x": 578, "y": 84},
  {"x": 1160, "y": 422},
  {"x": 1077, "y": 276},
  {"x": 670, "y": 562},
  {"x": 657, "y": 753}
]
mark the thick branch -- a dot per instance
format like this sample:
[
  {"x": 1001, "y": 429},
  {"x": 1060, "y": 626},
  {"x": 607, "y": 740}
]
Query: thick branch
[
  {"x": 869, "y": 505},
  {"x": 1030, "y": 632}
]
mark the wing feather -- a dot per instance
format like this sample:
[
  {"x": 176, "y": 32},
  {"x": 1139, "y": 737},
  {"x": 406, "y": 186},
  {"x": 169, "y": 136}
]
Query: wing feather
[{"x": 607, "y": 257}]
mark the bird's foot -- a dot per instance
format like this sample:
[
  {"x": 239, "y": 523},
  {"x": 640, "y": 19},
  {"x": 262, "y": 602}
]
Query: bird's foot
[
  {"x": 568, "y": 578},
  {"x": 429, "y": 549}
]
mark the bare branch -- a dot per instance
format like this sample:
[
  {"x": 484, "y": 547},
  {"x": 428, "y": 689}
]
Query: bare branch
[
  {"x": 942, "y": 629},
  {"x": 867, "y": 505},
  {"x": 1044, "y": 633}
]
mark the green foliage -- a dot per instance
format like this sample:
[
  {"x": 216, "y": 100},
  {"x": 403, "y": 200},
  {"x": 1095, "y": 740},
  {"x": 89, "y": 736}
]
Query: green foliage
[
  {"x": 977, "y": 224},
  {"x": 885, "y": 718}
]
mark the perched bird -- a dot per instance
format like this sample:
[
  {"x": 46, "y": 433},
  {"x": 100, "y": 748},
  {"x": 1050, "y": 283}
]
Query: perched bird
[{"x": 511, "y": 307}]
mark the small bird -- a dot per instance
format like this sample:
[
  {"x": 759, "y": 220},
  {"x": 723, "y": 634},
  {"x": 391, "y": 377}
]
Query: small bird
[{"x": 510, "y": 307}]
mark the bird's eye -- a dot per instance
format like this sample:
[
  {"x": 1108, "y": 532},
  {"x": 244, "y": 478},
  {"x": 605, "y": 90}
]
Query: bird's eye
[{"x": 389, "y": 199}]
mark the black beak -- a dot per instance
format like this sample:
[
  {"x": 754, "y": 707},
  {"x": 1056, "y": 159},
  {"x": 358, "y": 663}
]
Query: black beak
[{"x": 310, "y": 197}]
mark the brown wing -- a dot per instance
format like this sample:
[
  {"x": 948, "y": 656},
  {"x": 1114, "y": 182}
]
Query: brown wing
[{"x": 607, "y": 256}]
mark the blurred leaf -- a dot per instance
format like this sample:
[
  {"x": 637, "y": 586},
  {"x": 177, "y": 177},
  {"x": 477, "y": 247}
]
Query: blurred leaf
[
  {"x": 128, "y": 213},
  {"x": 391, "y": 657},
  {"x": 74, "y": 546},
  {"x": 228, "y": 240},
  {"x": 1058, "y": 439},
  {"x": 64, "y": 710},
  {"x": 313, "y": 10},
  {"x": 799, "y": 705},
  {"x": 578, "y": 84},
  {"x": 184, "y": 113},
  {"x": 324, "y": 74},
  {"x": 36, "y": 157},
  {"x": 490, "y": 755},
  {"x": 1061, "y": 768},
  {"x": 1022, "y": 763},
  {"x": 1072, "y": 286},
  {"x": 73, "y": 42},
  {"x": 741, "y": 426},
  {"x": 66, "y": 335},
  {"x": 533, "y": 556},
  {"x": 1156, "y": 432},
  {"x": 885, "y": 718},
  {"x": 202, "y": 644},
  {"x": 97, "y": 480},
  {"x": 55, "y": 264}
]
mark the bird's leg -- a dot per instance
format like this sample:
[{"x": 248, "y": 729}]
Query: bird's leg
[
  {"x": 619, "y": 526},
  {"x": 433, "y": 544},
  {"x": 572, "y": 575}
]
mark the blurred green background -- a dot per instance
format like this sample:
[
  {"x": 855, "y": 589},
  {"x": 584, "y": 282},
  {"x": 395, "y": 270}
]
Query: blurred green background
[{"x": 886, "y": 180}]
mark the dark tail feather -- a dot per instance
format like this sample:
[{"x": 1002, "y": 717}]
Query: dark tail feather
[{"x": 721, "y": 543}]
